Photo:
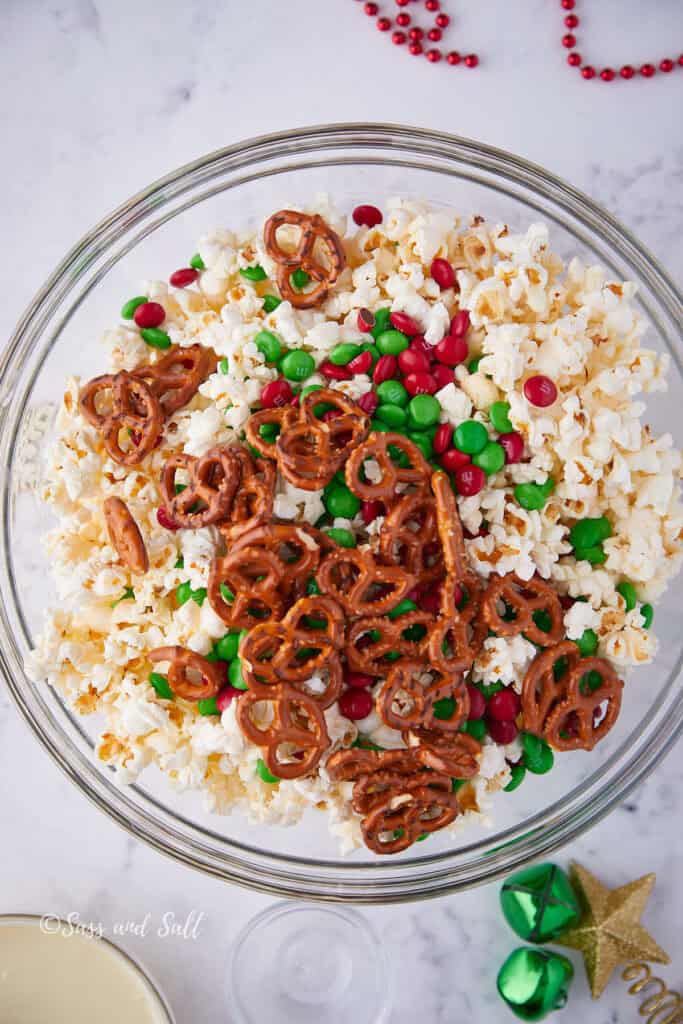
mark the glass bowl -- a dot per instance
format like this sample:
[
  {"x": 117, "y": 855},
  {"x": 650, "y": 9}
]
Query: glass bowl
[{"x": 149, "y": 236}]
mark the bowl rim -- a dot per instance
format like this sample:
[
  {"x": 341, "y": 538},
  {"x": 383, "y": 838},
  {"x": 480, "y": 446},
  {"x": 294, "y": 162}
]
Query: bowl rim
[{"x": 334, "y": 881}]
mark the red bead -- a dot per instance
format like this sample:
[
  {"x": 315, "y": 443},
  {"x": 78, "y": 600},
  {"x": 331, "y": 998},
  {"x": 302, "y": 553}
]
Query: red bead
[
  {"x": 402, "y": 3},
  {"x": 333, "y": 372},
  {"x": 434, "y": 35},
  {"x": 358, "y": 679},
  {"x": 369, "y": 510},
  {"x": 165, "y": 520},
  {"x": 225, "y": 697},
  {"x": 588, "y": 72},
  {"x": 368, "y": 402},
  {"x": 569, "y": 40},
  {"x": 513, "y": 444},
  {"x": 356, "y": 704},
  {"x": 383, "y": 24},
  {"x": 666, "y": 65},
  {"x": 443, "y": 273},
  {"x": 420, "y": 384},
  {"x": 540, "y": 391},
  {"x": 385, "y": 369},
  {"x": 627, "y": 71},
  {"x": 367, "y": 216},
  {"x": 477, "y": 702},
  {"x": 403, "y": 20},
  {"x": 574, "y": 60},
  {"x": 415, "y": 49},
  {"x": 471, "y": 60},
  {"x": 680, "y": 60},
  {"x": 502, "y": 732},
  {"x": 504, "y": 706},
  {"x": 451, "y": 350},
  {"x": 568, "y": 4},
  {"x": 443, "y": 375},
  {"x": 362, "y": 363},
  {"x": 404, "y": 323},
  {"x": 365, "y": 320},
  {"x": 607, "y": 75},
  {"x": 648, "y": 70},
  {"x": 430, "y": 601},
  {"x": 412, "y": 361},
  {"x": 460, "y": 324},
  {"x": 415, "y": 35},
  {"x": 398, "y": 38},
  {"x": 443, "y": 438},
  {"x": 149, "y": 314},
  {"x": 453, "y": 459},
  {"x": 432, "y": 5},
  {"x": 571, "y": 21},
  {"x": 418, "y": 344},
  {"x": 181, "y": 278},
  {"x": 442, "y": 20},
  {"x": 371, "y": 10},
  {"x": 469, "y": 480},
  {"x": 276, "y": 393},
  {"x": 433, "y": 56},
  {"x": 453, "y": 57}
]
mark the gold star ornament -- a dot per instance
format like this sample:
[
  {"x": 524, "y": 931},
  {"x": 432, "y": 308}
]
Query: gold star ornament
[{"x": 609, "y": 930}]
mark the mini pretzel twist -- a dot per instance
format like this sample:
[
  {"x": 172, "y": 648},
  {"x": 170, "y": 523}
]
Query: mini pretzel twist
[
  {"x": 281, "y": 416},
  {"x": 406, "y": 813},
  {"x": 181, "y": 662},
  {"x": 313, "y": 229},
  {"x": 454, "y": 754},
  {"x": 524, "y": 597},
  {"x": 246, "y": 586},
  {"x": 371, "y": 791},
  {"x": 370, "y": 640},
  {"x": 376, "y": 447},
  {"x": 175, "y": 378},
  {"x": 297, "y": 546},
  {"x": 404, "y": 701},
  {"x": 408, "y": 532},
  {"x": 133, "y": 407},
  {"x": 541, "y": 691},
  {"x": 124, "y": 534},
  {"x": 208, "y": 496},
  {"x": 362, "y": 587},
  {"x": 351, "y": 764},
  {"x": 253, "y": 503},
  {"x": 296, "y": 723}
]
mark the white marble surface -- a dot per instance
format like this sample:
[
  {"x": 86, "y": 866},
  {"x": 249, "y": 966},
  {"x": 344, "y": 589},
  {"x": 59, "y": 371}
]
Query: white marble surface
[{"x": 101, "y": 97}]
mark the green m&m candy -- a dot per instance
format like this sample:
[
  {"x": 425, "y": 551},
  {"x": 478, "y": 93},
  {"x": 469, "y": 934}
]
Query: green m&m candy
[
  {"x": 391, "y": 343},
  {"x": 263, "y": 772},
  {"x": 491, "y": 458},
  {"x": 423, "y": 412},
  {"x": 344, "y": 352},
  {"x": 499, "y": 414},
  {"x": 534, "y": 982},
  {"x": 538, "y": 903},
  {"x": 470, "y": 437},
  {"x": 269, "y": 344},
  {"x": 297, "y": 365},
  {"x": 589, "y": 532}
]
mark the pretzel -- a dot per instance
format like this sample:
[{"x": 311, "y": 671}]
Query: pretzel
[
  {"x": 372, "y": 790},
  {"x": 408, "y": 532},
  {"x": 365, "y": 653},
  {"x": 354, "y": 579},
  {"x": 255, "y": 578},
  {"x": 405, "y": 814},
  {"x": 214, "y": 479},
  {"x": 253, "y": 503},
  {"x": 124, "y": 534},
  {"x": 313, "y": 229},
  {"x": 180, "y": 661},
  {"x": 133, "y": 407},
  {"x": 175, "y": 378},
  {"x": 297, "y": 721},
  {"x": 524, "y": 597},
  {"x": 297, "y": 547},
  {"x": 377, "y": 447},
  {"x": 351, "y": 764},
  {"x": 564, "y": 711},
  {"x": 454, "y": 754},
  {"x": 402, "y": 688},
  {"x": 282, "y": 416}
]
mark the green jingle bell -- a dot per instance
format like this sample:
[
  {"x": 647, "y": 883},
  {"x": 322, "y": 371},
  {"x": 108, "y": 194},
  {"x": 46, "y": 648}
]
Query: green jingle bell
[
  {"x": 534, "y": 982},
  {"x": 539, "y": 903}
]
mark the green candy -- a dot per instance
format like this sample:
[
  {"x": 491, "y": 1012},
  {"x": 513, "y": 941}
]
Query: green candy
[
  {"x": 344, "y": 538},
  {"x": 226, "y": 593},
  {"x": 470, "y": 437},
  {"x": 263, "y": 773},
  {"x": 179, "y": 563},
  {"x": 367, "y": 346},
  {"x": 444, "y": 709},
  {"x": 391, "y": 343},
  {"x": 393, "y": 415},
  {"x": 199, "y": 596},
  {"x": 499, "y": 416},
  {"x": 648, "y": 613},
  {"x": 270, "y": 303},
  {"x": 587, "y": 643},
  {"x": 533, "y": 497},
  {"x": 224, "y": 366},
  {"x": 155, "y": 337},
  {"x": 488, "y": 689},
  {"x": 208, "y": 706},
  {"x": 226, "y": 647},
  {"x": 183, "y": 592},
  {"x": 378, "y": 427},
  {"x": 457, "y": 784},
  {"x": 127, "y": 595},
  {"x": 297, "y": 365},
  {"x": 596, "y": 554},
  {"x": 160, "y": 684},
  {"x": 423, "y": 442},
  {"x": 392, "y": 392},
  {"x": 235, "y": 677},
  {"x": 255, "y": 273},
  {"x": 628, "y": 592},
  {"x": 300, "y": 278},
  {"x": 197, "y": 263},
  {"x": 402, "y": 608},
  {"x": 491, "y": 459},
  {"x": 269, "y": 344},
  {"x": 538, "y": 758},
  {"x": 534, "y": 982},
  {"x": 517, "y": 776},
  {"x": 312, "y": 586},
  {"x": 268, "y": 431},
  {"x": 381, "y": 322},
  {"x": 309, "y": 388},
  {"x": 539, "y": 903},
  {"x": 588, "y": 533},
  {"x": 344, "y": 353},
  {"x": 476, "y": 727},
  {"x": 340, "y": 502},
  {"x": 423, "y": 412},
  {"x": 473, "y": 364},
  {"x": 128, "y": 308}
]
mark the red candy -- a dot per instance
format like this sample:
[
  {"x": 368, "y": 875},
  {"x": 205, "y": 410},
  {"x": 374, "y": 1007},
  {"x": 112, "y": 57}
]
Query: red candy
[
  {"x": 404, "y": 323},
  {"x": 443, "y": 375},
  {"x": 540, "y": 391},
  {"x": 430, "y": 601},
  {"x": 443, "y": 438},
  {"x": 369, "y": 510},
  {"x": 181, "y": 278},
  {"x": 276, "y": 393},
  {"x": 358, "y": 679},
  {"x": 513, "y": 443},
  {"x": 225, "y": 697},
  {"x": 365, "y": 320},
  {"x": 501, "y": 732},
  {"x": 477, "y": 702},
  {"x": 411, "y": 360},
  {"x": 361, "y": 363},
  {"x": 420, "y": 384},
  {"x": 355, "y": 703},
  {"x": 504, "y": 706},
  {"x": 367, "y": 216},
  {"x": 460, "y": 324},
  {"x": 333, "y": 372},
  {"x": 149, "y": 314},
  {"x": 469, "y": 480},
  {"x": 451, "y": 350},
  {"x": 164, "y": 520},
  {"x": 368, "y": 402},
  {"x": 452, "y": 459},
  {"x": 418, "y": 344},
  {"x": 385, "y": 369},
  {"x": 443, "y": 273}
]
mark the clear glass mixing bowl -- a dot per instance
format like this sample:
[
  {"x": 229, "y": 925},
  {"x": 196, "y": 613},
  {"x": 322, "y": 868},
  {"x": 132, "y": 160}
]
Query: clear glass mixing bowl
[{"x": 148, "y": 237}]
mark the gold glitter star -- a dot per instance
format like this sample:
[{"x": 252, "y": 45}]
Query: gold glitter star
[{"x": 609, "y": 931}]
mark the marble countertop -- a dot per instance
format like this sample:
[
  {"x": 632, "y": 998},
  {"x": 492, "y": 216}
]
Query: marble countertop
[{"x": 103, "y": 96}]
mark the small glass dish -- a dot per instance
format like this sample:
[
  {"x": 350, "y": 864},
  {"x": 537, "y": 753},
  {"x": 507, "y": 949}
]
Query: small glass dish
[{"x": 149, "y": 236}]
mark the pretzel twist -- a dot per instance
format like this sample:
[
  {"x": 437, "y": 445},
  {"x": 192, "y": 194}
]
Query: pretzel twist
[
  {"x": 297, "y": 546},
  {"x": 281, "y": 416},
  {"x": 253, "y": 502},
  {"x": 376, "y": 447},
  {"x": 523, "y": 597},
  {"x": 408, "y": 532},
  {"x": 405, "y": 814},
  {"x": 351, "y": 764},
  {"x": 313, "y": 229},
  {"x": 213, "y": 482},
  {"x": 404, "y": 701},
  {"x": 297, "y": 723},
  {"x": 133, "y": 407},
  {"x": 453, "y": 754},
  {"x": 359, "y": 584},
  {"x": 125, "y": 536},
  {"x": 181, "y": 662},
  {"x": 175, "y": 378},
  {"x": 367, "y": 653},
  {"x": 247, "y": 586}
]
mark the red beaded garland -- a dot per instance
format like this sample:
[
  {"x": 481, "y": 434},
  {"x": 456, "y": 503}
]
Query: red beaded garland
[
  {"x": 433, "y": 56},
  {"x": 666, "y": 65},
  {"x": 648, "y": 70},
  {"x": 398, "y": 38},
  {"x": 416, "y": 34},
  {"x": 432, "y": 5},
  {"x": 574, "y": 60},
  {"x": 371, "y": 10},
  {"x": 415, "y": 49},
  {"x": 587, "y": 71},
  {"x": 568, "y": 4},
  {"x": 607, "y": 74},
  {"x": 402, "y": 3},
  {"x": 442, "y": 20},
  {"x": 627, "y": 71},
  {"x": 471, "y": 60},
  {"x": 568, "y": 41},
  {"x": 383, "y": 24},
  {"x": 571, "y": 21},
  {"x": 434, "y": 35},
  {"x": 453, "y": 57},
  {"x": 403, "y": 19}
]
